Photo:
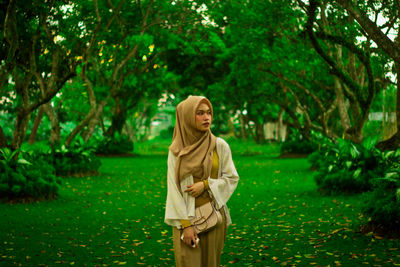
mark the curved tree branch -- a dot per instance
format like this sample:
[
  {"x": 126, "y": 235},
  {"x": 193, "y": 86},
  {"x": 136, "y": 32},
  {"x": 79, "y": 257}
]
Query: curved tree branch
[
  {"x": 333, "y": 66},
  {"x": 365, "y": 59},
  {"x": 372, "y": 29}
]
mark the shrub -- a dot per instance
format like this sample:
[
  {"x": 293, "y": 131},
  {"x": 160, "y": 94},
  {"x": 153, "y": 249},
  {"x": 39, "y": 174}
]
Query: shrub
[
  {"x": 115, "y": 145},
  {"x": 78, "y": 159},
  {"x": 24, "y": 176},
  {"x": 167, "y": 133},
  {"x": 383, "y": 204},
  {"x": 299, "y": 145},
  {"x": 344, "y": 167}
]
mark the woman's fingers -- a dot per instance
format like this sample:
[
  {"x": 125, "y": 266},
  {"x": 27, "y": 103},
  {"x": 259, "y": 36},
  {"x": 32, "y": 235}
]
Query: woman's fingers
[
  {"x": 194, "y": 189},
  {"x": 189, "y": 236},
  {"x": 189, "y": 188}
]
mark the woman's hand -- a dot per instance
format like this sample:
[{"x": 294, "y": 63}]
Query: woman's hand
[
  {"x": 189, "y": 236},
  {"x": 195, "y": 189}
]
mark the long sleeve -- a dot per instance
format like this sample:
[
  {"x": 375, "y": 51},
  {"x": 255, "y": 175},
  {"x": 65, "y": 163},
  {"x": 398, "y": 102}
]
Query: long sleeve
[
  {"x": 178, "y": 207},
  {"x": 223, "y": 187}
]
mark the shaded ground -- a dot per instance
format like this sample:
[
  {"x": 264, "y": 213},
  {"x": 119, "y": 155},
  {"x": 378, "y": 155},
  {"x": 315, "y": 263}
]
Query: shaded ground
[
  {"x": 117, "y": 219},
  {"x": 292, "y": 155}
]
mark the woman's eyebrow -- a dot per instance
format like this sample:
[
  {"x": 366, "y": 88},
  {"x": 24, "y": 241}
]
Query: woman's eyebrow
[{"x": 208, "y": 109}]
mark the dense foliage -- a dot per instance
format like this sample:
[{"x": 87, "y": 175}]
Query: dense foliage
[
  {"x": 26, "y": 175},
  {"x": 297, "y": 144},
  {"x": 74, "y": 160},
  {"x": 383, "y": 204},
  {"x": 118, "y": 144},
  {"x": 77, "y": 159},
  {"x": 345, "y": 167}
]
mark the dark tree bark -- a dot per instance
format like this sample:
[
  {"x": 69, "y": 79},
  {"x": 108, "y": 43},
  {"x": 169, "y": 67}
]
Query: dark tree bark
[
  {"x": 394, "y": 141},
  {"x": 118, "y": 120},
  {"x": 259, "y": 133},
  {"x": 35, "y": 127},
  {"x": 24, "y": 111},
  {"x": 243, "y": 131},
  {"x": 21, "y": 126},
  {"x": 96, "y": 120},
  {"x": 55, "y": 133},
  {"x": 3, "y": 140}
]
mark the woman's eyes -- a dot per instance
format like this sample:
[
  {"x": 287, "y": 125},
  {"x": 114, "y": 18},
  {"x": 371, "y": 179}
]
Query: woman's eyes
[{"x": 202, "y": 112}]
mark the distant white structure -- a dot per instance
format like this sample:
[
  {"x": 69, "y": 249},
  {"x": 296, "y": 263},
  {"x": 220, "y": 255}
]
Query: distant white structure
[
  {"x": 378, "y": 116},
  {"x": 162, "y": 121},
  {"x": 275, "y": 131}
]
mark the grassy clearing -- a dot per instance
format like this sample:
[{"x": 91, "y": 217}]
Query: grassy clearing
[
  {"x": 117, "y": 219},
  {"x": 238, "y": 147}
]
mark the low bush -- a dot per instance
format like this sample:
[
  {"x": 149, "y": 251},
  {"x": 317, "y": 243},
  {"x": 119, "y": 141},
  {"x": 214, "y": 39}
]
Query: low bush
[
  {"x": 26, "y": 176},
  {"x": 118, "y": 144},
  {"x": 298, "y": 147},
  {"x": 383, "y": 204},
  {"x": 344, "y": 167},
  {"x": 167, "y": 133},
  {"x": 79, "y": 159},
  {"x": 297, "y": 144}
]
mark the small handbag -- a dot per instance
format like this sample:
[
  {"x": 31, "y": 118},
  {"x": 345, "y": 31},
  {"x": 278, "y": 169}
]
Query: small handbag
[{"x": 206, "y": 218}]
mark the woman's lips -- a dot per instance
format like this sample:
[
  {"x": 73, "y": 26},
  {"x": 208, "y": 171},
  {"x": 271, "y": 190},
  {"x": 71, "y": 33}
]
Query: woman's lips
[{"x": 206, "y": 124}]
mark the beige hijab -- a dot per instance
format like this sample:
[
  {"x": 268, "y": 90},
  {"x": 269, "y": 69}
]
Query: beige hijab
[{"x": 193, "y": 148}]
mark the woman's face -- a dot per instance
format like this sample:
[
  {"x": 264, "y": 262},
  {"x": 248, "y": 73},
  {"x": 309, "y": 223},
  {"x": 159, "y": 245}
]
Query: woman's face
[{"x": 203, "y": 117}]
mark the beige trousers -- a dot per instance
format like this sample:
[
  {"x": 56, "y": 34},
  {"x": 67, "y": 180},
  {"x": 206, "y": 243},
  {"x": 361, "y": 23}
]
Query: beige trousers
[{"x": 207, "y": 254}]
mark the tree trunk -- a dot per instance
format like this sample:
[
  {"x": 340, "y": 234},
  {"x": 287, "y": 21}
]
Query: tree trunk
[
  {"x": 80, "y": 127},
  {"x": 36, "y": 124},
  {"x": 243, "y": 130},
  {"x": 3, "y": 140},
  {"x": 259, "y": 133},
  {"x": 55, "y": 135},
  {"x": 21, "y": 126},
  {"x": 118, "y": 120},
  {"x": 341, "y": 105},
  {"x": 394, "y": 142},
  {"x": 22, "y": 83},
  {"x": 96, "y": 119}
]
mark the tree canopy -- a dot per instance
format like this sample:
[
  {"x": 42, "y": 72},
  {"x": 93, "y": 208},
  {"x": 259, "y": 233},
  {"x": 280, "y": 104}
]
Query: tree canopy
[{"x": 318, "y": 65}]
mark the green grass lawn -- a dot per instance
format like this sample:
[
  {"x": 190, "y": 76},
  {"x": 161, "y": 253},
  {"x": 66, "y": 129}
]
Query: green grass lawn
[{"x": 117, "y": 219}]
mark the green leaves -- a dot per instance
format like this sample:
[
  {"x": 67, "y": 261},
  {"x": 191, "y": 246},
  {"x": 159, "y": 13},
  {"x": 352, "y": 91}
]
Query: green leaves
[
  {"x": 348, "y": 164},
  {"x": 23, "y": 161},
  {"x": 347, "y": 167},
  {"x": 26, "y": 178},
  {"x": 357, "y": 173},
  {"x": 8, "y": 157}
]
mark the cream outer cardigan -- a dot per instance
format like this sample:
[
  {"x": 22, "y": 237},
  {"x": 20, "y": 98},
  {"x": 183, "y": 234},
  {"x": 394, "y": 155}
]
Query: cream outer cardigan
[{"x": 180, "y": 207}]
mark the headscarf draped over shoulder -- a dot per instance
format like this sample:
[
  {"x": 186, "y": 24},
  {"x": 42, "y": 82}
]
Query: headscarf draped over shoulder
[{"x": 192, "y": 147}]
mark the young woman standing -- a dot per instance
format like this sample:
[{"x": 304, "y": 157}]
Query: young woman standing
[{"x": 200, "y": 170}]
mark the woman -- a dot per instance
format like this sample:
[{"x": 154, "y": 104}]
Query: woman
[{"x": 200, "y": 169}]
